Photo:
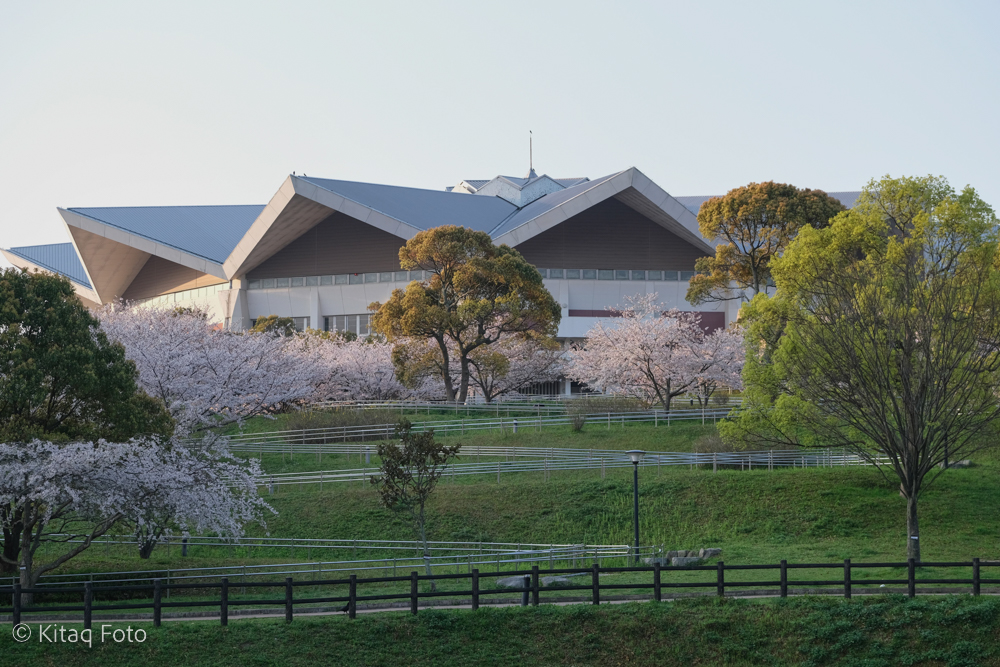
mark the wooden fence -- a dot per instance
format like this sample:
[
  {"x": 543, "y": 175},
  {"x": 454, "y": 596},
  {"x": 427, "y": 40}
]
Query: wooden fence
[{"x": 531, "y": 587}]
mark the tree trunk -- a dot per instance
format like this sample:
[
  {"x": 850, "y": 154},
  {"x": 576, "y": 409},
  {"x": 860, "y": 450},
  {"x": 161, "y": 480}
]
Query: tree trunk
[
  {"x": 11, "y": 547},
  {"x": 423, "y": 538},
  {"x": 463, "y": 387},
  {"x": 912, "y": 528},
  {"x": 449, "y": 386}
]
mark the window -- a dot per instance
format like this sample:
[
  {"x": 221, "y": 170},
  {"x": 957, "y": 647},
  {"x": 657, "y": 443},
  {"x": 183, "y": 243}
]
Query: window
[
  {"x": 416, "y": 275},
  {"x": 300, "y": 323},
  {"x": 605, "y": 274},
  {"x": 385, "y": 277},
  {"x": 356, "y": 278},
  {"x": 282, "y": 282},
  {"x": 267, "y": 283},
  {"x": 340, "y": 280},
  {"x": 654, "y": 275},
  {"x": 312, "y": 281},
  {"x": 555, "y": 273},
  {"x": 621, "y": 275},
  {"x": 356, "y": 324},
  {"x": 590, "y": 274},
  {"x": 572, "y": 274},
  {"x": 371, "y": 277},
  {"x": 400, "y": 276},
  {"x": 326, "y": 280},
  {"x": 254, "y": 284},
  {"x": 544, "y": 272},
  {"x": 687, "y": 275},
  {"x": 638, "y": 275},
  {"x": 298, "y": 282},
  {"x": 670, "y": 275}
]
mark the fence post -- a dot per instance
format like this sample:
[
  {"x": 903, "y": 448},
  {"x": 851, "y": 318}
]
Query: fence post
[
  {"x": 847, "y": 578},
  {"x": 715, "y": 462},
  {"x": 224, "y": 602},
  {"x": 352, "y": 597},
  {"x": 656, "y": 582},
  {"x": 720, "y": 581},
  {"x": 975, "y": 577},
  {"x": 288, "y": 599},
  {"x": 88, "y": 600},
  {"x": 784, "y": 578},
  {"x": 534, "y": 585},
  {"x": 157, "y": 597},
  {"x": 596, "y": 596},
  {"x": 475, "y": 589},
  {"x": 911, "y": 583},
  {"x": 525, "y": 587},
  {"x": 17, "y": 604},
  {"x": 413, "y": 592}
]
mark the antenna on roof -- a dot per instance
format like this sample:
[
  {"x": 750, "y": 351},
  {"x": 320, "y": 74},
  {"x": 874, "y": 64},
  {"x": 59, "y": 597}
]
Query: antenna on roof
[{"x": 531, "y": 156}]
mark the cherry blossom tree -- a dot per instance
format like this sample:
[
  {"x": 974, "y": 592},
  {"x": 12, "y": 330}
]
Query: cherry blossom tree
[
  {"x": 207, "y": 376},
  {"x": 353, "y": 369},
  {"x": 512, "y": 363},
  {"x": 68, "y": 495},
  {"x": 652, "y": 354},
  {"x": 717, "y": 361}
]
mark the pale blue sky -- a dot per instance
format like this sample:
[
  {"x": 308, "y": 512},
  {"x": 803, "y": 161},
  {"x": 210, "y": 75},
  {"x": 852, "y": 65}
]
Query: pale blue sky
[{"x": 129, "y": 103}]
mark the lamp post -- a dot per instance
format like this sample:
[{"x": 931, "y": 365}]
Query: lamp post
[{"x": 636, "y": 456}]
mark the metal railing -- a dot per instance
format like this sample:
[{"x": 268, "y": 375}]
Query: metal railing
[
  {"x": 550, "y": 459},
  {"x": 297, "y": 439}
]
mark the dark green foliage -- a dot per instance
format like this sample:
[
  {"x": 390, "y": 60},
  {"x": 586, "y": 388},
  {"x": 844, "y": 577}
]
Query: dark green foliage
[{"x": 60, "y": 378}]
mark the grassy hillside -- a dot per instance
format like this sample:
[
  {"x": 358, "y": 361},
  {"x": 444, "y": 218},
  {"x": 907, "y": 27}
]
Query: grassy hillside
[
  {"x": 959, "y": 632},
  {"x": 754, "y": 516}
]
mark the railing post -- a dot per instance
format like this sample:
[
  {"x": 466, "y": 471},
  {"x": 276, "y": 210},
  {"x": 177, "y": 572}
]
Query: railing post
[
  {"x": 288, "y": 599},
  {"x": 475, "y": 589},
  {"x": 352, "y": 597},
  {"x": 224, "y": 602},
  {"x": 88, "y": 600},
  {"x": 911, "y": 583},
  {"x": 525, "y": 587},
  {"x": 534, "y": 585},
  {"x": 656, "y": 582},
  {"x": 413, "y": 592},
  {"x": 596, "y": 582},
  {"x": 975, "y": 577},
  {"x": 720, "y": 580},
  {"x": 847, "y": 578},
  {"x": 16, "y": 603},
  {"x": 784, "y": 578},
  {"x": 157, "y": 601}
]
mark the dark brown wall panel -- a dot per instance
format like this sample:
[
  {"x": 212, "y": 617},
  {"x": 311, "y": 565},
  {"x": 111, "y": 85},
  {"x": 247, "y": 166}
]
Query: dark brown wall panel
[
  {"x": 339, "y": 244},
  {"x": 160, "y": 276},
  {"x": 610, "y": 235}
]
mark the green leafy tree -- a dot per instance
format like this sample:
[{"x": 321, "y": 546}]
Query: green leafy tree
[
  {"x": 61, "y": 379},
  {"x": 411, "y": 467},
  {"x": 755, "y": 222},
  {"x": 883, "y": 336},
  {"x": 274, "y": 325},
  {"x": 477, "y": 293}
]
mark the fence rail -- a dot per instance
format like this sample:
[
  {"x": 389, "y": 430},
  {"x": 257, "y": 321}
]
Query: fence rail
[
  {"x": 298, "y": 439},
  {"x": 548, "y": 460},
  {"x": 346, "y": 591},
  {"x": 464, "y": 555}
]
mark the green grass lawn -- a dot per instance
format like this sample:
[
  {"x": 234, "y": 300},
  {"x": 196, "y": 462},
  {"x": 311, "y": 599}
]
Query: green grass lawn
[
  {"x": 954, "y": 631},
  {"x": 811, "y": 515}
]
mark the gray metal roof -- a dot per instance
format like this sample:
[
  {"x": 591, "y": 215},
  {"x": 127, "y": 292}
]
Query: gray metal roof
[
  {"x": 211, "y": 232},
  {"x": 694, "y": 203},
  {"x": 546, "y": 203},
  {"x": 58, "y": 258},
  {"x": 423, "y": 209}
]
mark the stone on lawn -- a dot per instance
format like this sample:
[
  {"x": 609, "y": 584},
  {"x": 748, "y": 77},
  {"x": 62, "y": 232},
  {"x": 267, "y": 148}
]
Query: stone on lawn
[
  {"x": 710, "y": 553},
  {"x": 512, "y": 582},
  {"x": 680, "y": 561}
]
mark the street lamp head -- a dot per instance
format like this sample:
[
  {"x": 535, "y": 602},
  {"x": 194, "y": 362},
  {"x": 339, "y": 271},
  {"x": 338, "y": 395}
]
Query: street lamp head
[{"x": 636, "y": 455}]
